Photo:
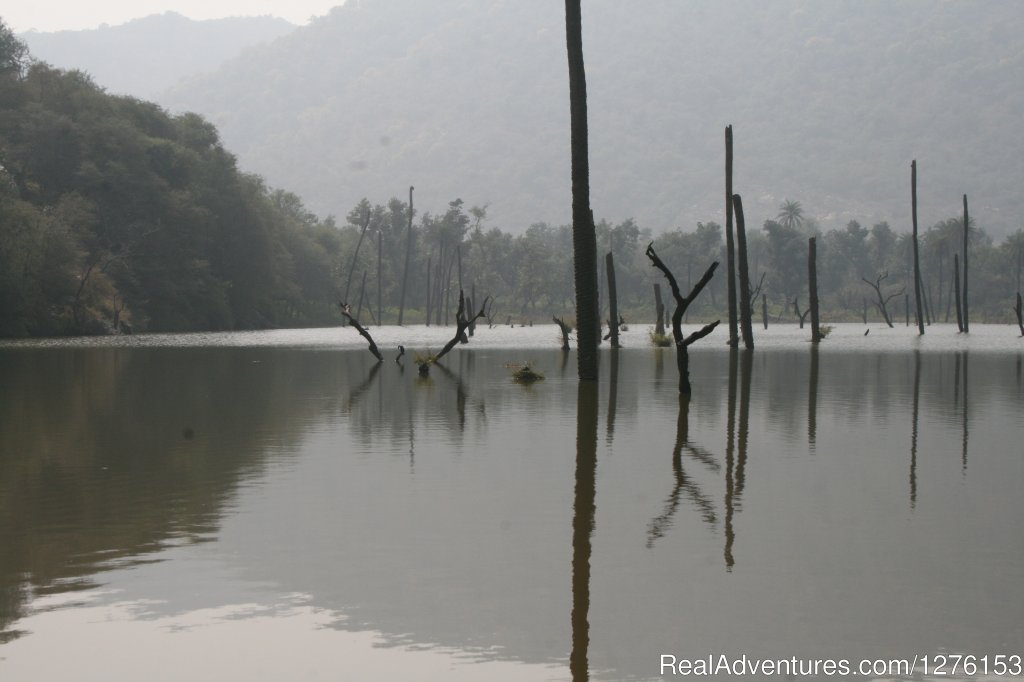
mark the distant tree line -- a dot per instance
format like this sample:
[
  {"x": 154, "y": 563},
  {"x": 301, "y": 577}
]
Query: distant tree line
[{"x": 531, "y": 275}]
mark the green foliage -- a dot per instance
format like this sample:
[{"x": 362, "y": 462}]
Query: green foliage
[
  {"x": 660, "y": 340},
  {"x": 113, "y": 211},
  {"x": 524, "y": 373}
]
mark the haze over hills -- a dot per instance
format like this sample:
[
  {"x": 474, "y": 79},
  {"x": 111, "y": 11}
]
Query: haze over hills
[
  {"x": 830, "y": 101},
  {"x": 147, "y": 56}
]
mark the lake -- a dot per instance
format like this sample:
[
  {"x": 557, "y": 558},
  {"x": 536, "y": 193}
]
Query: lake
[{"x": 277, "y": 505}]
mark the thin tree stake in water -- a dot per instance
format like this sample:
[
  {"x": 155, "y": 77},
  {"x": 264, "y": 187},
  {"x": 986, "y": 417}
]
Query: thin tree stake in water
[
  {"x": 730, "y": 249},
  {"x": 741, "y": 241},
  {"x": 917, "y": 260},
  {"x": 613, "y": 306},
  {"x": 967, "y": 324},
  {"x": 584, "y": 237},
  {"x": 405, "y": 270},
  {"x": 812, "y": 286}
]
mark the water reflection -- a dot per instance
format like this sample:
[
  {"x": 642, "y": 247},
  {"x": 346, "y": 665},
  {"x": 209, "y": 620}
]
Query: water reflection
[
  {"x": 613, "y": 392},
  {"x": 299, "y": 478},
  {"x": 684, "y": 485},
  {"x": 963, "y": 457},
  {"x": 812, "y": 400},
  {"x": 914, "y": 426},
  {"x": 584, "y": 506}
]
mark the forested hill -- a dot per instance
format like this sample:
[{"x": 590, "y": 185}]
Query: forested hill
[
  {"x": 145, "y": 57},
  {"x": 115, "y": 215},
  {"x": 830, "y": 102}
]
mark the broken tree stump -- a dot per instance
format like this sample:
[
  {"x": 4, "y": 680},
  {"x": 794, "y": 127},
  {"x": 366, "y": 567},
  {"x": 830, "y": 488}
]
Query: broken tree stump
[{"x": 346, "y": 311}]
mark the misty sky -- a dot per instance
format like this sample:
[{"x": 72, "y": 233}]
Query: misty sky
[{"x": 56, "y": 15}]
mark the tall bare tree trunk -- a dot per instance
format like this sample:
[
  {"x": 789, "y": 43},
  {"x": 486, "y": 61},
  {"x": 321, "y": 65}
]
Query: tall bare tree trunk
[
  {"x": 741, "y": 242},
  {"x": 430, "y": 264},
  {"x": 584, "y": 237},
  {"x": 967, "y": 324},
  {"x": 956, "y": 288},
  {"x": 1020, "y": 317},
  {"x": 380, "y": 277},
  {"x": 405, "y": 270},
  {"x": 917, "y": 260},
  {"x": 659, "y": 309},
  {"x": 355, "y": 255},
  {"x": 764, "y": 310},
  {"x": 613, "y": 305},
  {"x": 730, "y": 248},
  {"x": 812, "y": 285}
]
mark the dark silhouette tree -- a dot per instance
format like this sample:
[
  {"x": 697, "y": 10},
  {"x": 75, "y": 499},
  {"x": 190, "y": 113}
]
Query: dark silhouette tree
[
  {"x": 730, "y": 248},
  {"x": 881, "y": 300},
  {"x": 917, "y": 259},
  {"x": 812, "y": 286},
  {"x": 405, "y": 270},
  {"x": 682, "y": 343},
  {"x": 584, "y": 238},
  {"x": 967, "y": 230},
  {"x": 744, "y": 272}
]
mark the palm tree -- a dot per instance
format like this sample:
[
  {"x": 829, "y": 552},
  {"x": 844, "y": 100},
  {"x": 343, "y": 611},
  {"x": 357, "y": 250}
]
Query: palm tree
[
  {"x": 584, "y": 236},
  {"x": 791, "y": 214}
]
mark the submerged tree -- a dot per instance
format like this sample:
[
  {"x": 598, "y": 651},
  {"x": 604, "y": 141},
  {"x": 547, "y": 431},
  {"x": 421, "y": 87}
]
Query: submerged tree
[
  {"x": 584, "y": 238},
  {"x": 882, "y": 301},
  {"x": 917, "y": 260},
  {"x": 746, "y": 327},
  {"x": 347, "y": 312},
  {"x": 730, "y": 249},
  {"x": 682, "y": 343}
]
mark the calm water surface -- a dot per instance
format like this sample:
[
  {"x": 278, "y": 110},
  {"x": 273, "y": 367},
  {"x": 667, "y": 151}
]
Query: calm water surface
[{"x": 277, "y": 506}]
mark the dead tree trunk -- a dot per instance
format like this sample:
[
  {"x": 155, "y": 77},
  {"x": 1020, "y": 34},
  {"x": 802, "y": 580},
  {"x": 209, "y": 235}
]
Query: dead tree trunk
[
  {"x": 967, "y": 324},
  {"x": 380, "y": 277},
  {"x": 800, "y": 315},
  {"x": 1020, "y": 318},
  {"x": 764, "y": 310},
  {"x": 730, "y": 249},
  {"x": 682, "y": 343},
  {"x": 882, "y": 302},
  {"x": 864, "y": 310},
  {"x": 659, "y": 309},
  {"x": 741, "y": 242},
  {"x": 613, "y": 306},
  {"x": 405, "y": 270},
  {"x": 346, "y": 311},
  {"x": 565, "y": 329},
  {"x": 917, "y": 260},
  {"x": 956, "y": 288},
  {"x": 461, "y": 324},
  {"x": 430, "y": 264},
  {"x": 812, "y": 285},
  {"x": 584, "y": 234},
  {"x": 355, "y": 255},
  {"x": 906, "y": 307},
  {"x": 362, "y": 290}
]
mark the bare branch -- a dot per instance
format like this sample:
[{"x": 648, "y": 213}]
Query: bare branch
[{"x": 362, "y": 331}]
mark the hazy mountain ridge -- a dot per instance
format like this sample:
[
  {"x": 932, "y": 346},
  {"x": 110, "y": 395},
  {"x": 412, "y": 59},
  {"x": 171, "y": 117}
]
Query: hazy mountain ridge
[
  {"x": 145, "y": 57},
  {"x": 829, "y": 101}
]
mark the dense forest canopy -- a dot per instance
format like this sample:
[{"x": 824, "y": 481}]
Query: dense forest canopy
[{"x": 115, "y": 215}]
